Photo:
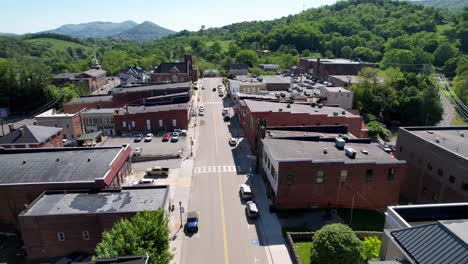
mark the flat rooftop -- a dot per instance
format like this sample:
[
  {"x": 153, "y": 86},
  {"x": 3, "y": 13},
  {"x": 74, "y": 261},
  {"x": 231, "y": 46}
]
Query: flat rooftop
[
  {"x": 99, "y": 111},
  {"x": 289, "y": 134},
  {"x": 133, "y": 199},
  {"x": 430, "y": 213},
  {"x": 55, "y": 165},
  {"x": 91, "y": 99},
  {"x": 154, "y": 108},
  {"x": 346, "y": 78},
  {"x": 264, "y": 106},
  {"x": 275, "y": 79},
  {"x": 301, "y": 150},
  {"x": 449, "y": 137},
  {"x": 166, "y": 86},
  {"x": 53, "y": 113},
  {"x": 335, "y": 61},
  {"x": 336, "y": 89}
]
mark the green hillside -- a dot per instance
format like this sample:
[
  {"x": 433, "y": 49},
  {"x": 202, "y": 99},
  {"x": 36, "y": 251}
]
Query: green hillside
[{"x": 55, "y": 45}]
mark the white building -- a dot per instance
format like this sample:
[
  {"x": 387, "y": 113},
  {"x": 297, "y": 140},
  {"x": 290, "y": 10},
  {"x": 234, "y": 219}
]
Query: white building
[{"x": 337, "y": 96}]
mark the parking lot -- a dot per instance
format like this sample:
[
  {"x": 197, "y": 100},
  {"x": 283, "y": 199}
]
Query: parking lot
[{"x": 156, "y": 147}]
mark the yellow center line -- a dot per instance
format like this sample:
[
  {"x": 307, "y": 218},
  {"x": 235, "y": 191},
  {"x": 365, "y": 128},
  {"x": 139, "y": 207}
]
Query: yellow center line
[{"x": 220, "y": 187}]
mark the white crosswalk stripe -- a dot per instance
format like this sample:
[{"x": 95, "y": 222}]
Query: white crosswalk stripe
[
  {"x": 216, "y": 169},
  {"x": 212, "y": 102}
]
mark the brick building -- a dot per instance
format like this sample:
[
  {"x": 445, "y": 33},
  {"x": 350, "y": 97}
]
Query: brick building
[
  {"x": 439, "y": 174},
  {"x": 238, "y": 69},
  {"x": 276, "y": 83},
  {"x": 323, "y": 68},
  {"x": 151, "y": 118},
  {"x": 286, "y": 114},
  {"x": 70, "y": 123},
  {"x": 312, "y": 171},
  {"x": 337, "y": 96},
  {"x": 29, "y": 136},
  {"x": 99, "y": 120},
  {"x": 88, "y": 102},
  {"x": 96, "y": 78},
  {"x": 29, "y": 172},
  {"x": 59, "y": 223},
  {"x": 175, "y": 72}
]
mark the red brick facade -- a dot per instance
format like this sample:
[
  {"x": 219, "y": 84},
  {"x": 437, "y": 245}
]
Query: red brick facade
[
  {"x": 302, "y": 191},
  {"x": 40, "y": 233},
  {"x": 70, "y": 108},
  {"x": 249, "y": 121},
  {"x": 158, "y": 121}
]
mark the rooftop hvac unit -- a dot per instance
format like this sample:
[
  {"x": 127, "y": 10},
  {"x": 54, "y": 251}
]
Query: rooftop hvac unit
[
  {"x": 462, "y": 134},
  {"x": 340, "y": 143},
  {"x": 335, "y": 113},
  {"x": 351, "y": 153}
]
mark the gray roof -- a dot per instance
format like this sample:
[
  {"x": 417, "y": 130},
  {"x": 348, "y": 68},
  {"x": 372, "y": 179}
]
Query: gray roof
[
  {"x": 65, "y": 75},
  {"x": 301, "y": 150},
  {"x": 94, "y": 73},
  {"x": 275, "y": 79},
  {"x": 155, "y": 108},
  {"x": 165, "y": 86},
  {"x": 51, "y": 165},
  {"x": 98, "y": 111},
  {"x": 264, "y": 106},
  {"x": 30, "y": 134},
  {"x": 432, "y": 244},
  {"x": 130, "y": 199},
  {"x": 449, "y": 137},
  {"x": 166, "y": 67},
  {"x": 91, "y": 99}
]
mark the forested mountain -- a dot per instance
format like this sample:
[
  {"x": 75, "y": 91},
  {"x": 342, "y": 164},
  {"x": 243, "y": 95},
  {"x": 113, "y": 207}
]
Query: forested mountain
[
  {"x": 127, "y": 30},
  {"x": 93, "y": 29},
  {"x": 452, "y": 5},
  {"x": 143, "y": 32},
  {"x": 400, "y": 36}
]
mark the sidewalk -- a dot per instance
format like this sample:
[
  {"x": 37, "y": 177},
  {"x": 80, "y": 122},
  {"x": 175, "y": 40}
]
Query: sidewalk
[{"x": 272, "y": 236}]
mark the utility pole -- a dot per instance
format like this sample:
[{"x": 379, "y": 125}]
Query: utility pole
[
  {"x": 180, "y": 210},
  {"x": 427, "y": 118},
  {"x": 352, "y": 209}
]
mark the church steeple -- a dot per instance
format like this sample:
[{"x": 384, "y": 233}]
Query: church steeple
[{"x": 96, "y": 64}]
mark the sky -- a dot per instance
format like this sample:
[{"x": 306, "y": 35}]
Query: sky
[{"x": 29, "y": 16}]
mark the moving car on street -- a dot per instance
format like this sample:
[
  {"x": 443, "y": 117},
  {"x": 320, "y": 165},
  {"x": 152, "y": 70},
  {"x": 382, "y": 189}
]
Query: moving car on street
[
  {"x": 175, "y": 137},
  {"x": 157, "y": 171},
  {"x": 192, "y": 222},
  {"x": 251, "y": 210},
  {"x": 166, "y": 137},
  {"x": 137, "y": 152},
  {"x": 148, "y": 137}
]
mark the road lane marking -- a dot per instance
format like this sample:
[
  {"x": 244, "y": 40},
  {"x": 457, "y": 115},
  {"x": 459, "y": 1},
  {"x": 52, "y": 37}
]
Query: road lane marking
[{"x": 220, "y": 186}]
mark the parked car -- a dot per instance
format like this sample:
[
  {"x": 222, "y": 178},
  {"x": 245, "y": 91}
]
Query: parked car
[
  {"x": 225, "y": 112},
  {"x": 138, "y": 138},
  {"x": 226, "y": 118},
  {"x": 145, "y": 181},
  {"x": 214, "y": 89},
  {"x": 251, "y": 210},
  {"x": 245, "y": 192},
  {"x": 201, "y": 113},
  {"x": 192, "y": 222},
  {"x": 175, "y": 137},
  {"x": 201, "y": 108},
  {"x": 157, "y": 171},
  {"x": 181, "y": 132},
  {"x": 233, "y": 142},
  {"x": 166, "y": 137},
  {"x": 148, "y": 137},
  {"x": 137, "y": 151}
]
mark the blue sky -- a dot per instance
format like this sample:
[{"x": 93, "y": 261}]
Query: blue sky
[{"x": 24, "y": 16}]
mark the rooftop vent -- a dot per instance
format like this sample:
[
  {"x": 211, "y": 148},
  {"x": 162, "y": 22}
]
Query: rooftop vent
[
  {"x": 320, "y": 105},
  {"x": 364, "y": 151},
  {"x": 89, "y": 160},
  {"x": 462, "y": 134},
  {"x": 325, "y": 150},
  {"x": 437, "y": 140},
  {"x": 335, "y": 113},
  {"x": 57, "y": 160},
  {"x": 24, "y": 162},
  {"x": 430, "y": 132},
  {"x": 281, "y": 110},
  {"x": 340, "y": 143},
  {"x": 288, "y": 105},
  {"x": 343, "y": 112},
  {"x": 313, "y": 104},
  {"x": 350, "y": 152}
]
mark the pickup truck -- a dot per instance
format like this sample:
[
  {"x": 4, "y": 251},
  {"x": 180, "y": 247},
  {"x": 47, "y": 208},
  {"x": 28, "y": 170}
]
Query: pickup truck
[{"x": 157, "y": 171}]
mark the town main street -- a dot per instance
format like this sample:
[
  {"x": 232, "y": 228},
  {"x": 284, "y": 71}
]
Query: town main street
[{"x": 225, "y": 234}]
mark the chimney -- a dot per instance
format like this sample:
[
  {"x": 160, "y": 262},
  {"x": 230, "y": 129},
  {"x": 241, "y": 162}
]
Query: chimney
[{"x": 325, "y": 150}]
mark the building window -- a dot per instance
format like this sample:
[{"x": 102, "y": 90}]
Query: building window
[
  {"x": 290, "y": 179},
  {"x": 133, "y": 124},
  {"x": 61, "y": 236},
  {"x": 464, "y": 186},
  {"x": 160, "y": 123},
  {"x": 174, "y": 123},
  {"x": 440, "y": 172},
  {"x": 148, "y": 124},
  {"x": 452, "y": 179},
  {"x": 391, "y": 174},
  {"x": 124, "y": 124},
  {"x": 429, "y": 166},
  {"x": 320, "y": 176},
  {"x": 369, "y": 175},
  {"x": 344, "y": 176},
  {"x": 68, "y": 126},
  {"x": 85, "y": 235}
]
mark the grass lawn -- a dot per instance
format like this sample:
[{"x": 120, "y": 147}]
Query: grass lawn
[
  {"x": 55, "y": 44},
  {"x": 223, "y": 43},
  {"x": 303, "y": 249},
  {"x": 363, "y": 220}
]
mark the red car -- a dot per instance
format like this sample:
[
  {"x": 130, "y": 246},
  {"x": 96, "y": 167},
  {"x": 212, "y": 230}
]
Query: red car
[{"x": 166, "y": 137}]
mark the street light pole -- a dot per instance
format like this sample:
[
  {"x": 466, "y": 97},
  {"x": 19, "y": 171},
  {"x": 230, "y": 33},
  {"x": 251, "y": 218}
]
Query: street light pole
[{"x": 180, "y": 210}]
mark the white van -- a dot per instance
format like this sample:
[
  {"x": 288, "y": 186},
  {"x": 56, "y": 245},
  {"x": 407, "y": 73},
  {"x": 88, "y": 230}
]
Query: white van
[{"x": 245, "y": 192}]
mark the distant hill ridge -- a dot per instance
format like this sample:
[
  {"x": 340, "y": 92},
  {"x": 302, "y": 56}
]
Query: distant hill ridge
[
  {"x": 127, "y": 30},
  {"x": 452, "y": 5}
]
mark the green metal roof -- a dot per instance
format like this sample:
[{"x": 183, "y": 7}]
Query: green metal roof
[{"x": 90, "y": 136}]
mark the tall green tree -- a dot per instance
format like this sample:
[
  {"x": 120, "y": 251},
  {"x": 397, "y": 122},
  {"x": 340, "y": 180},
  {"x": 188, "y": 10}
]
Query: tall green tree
[
  {"x": 248, "y": 57},
  {"x": 146, "y": 232}
]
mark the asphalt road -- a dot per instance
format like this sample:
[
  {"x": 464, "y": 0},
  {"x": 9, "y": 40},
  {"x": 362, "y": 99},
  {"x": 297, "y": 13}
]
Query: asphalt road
[
  {"x": 225, "y": 234},
  {"x": 449, "y": 112}
]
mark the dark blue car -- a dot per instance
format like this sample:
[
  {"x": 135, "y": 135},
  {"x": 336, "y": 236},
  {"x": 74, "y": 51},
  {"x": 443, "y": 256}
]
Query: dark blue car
[{"x": 192, "y": 222}]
